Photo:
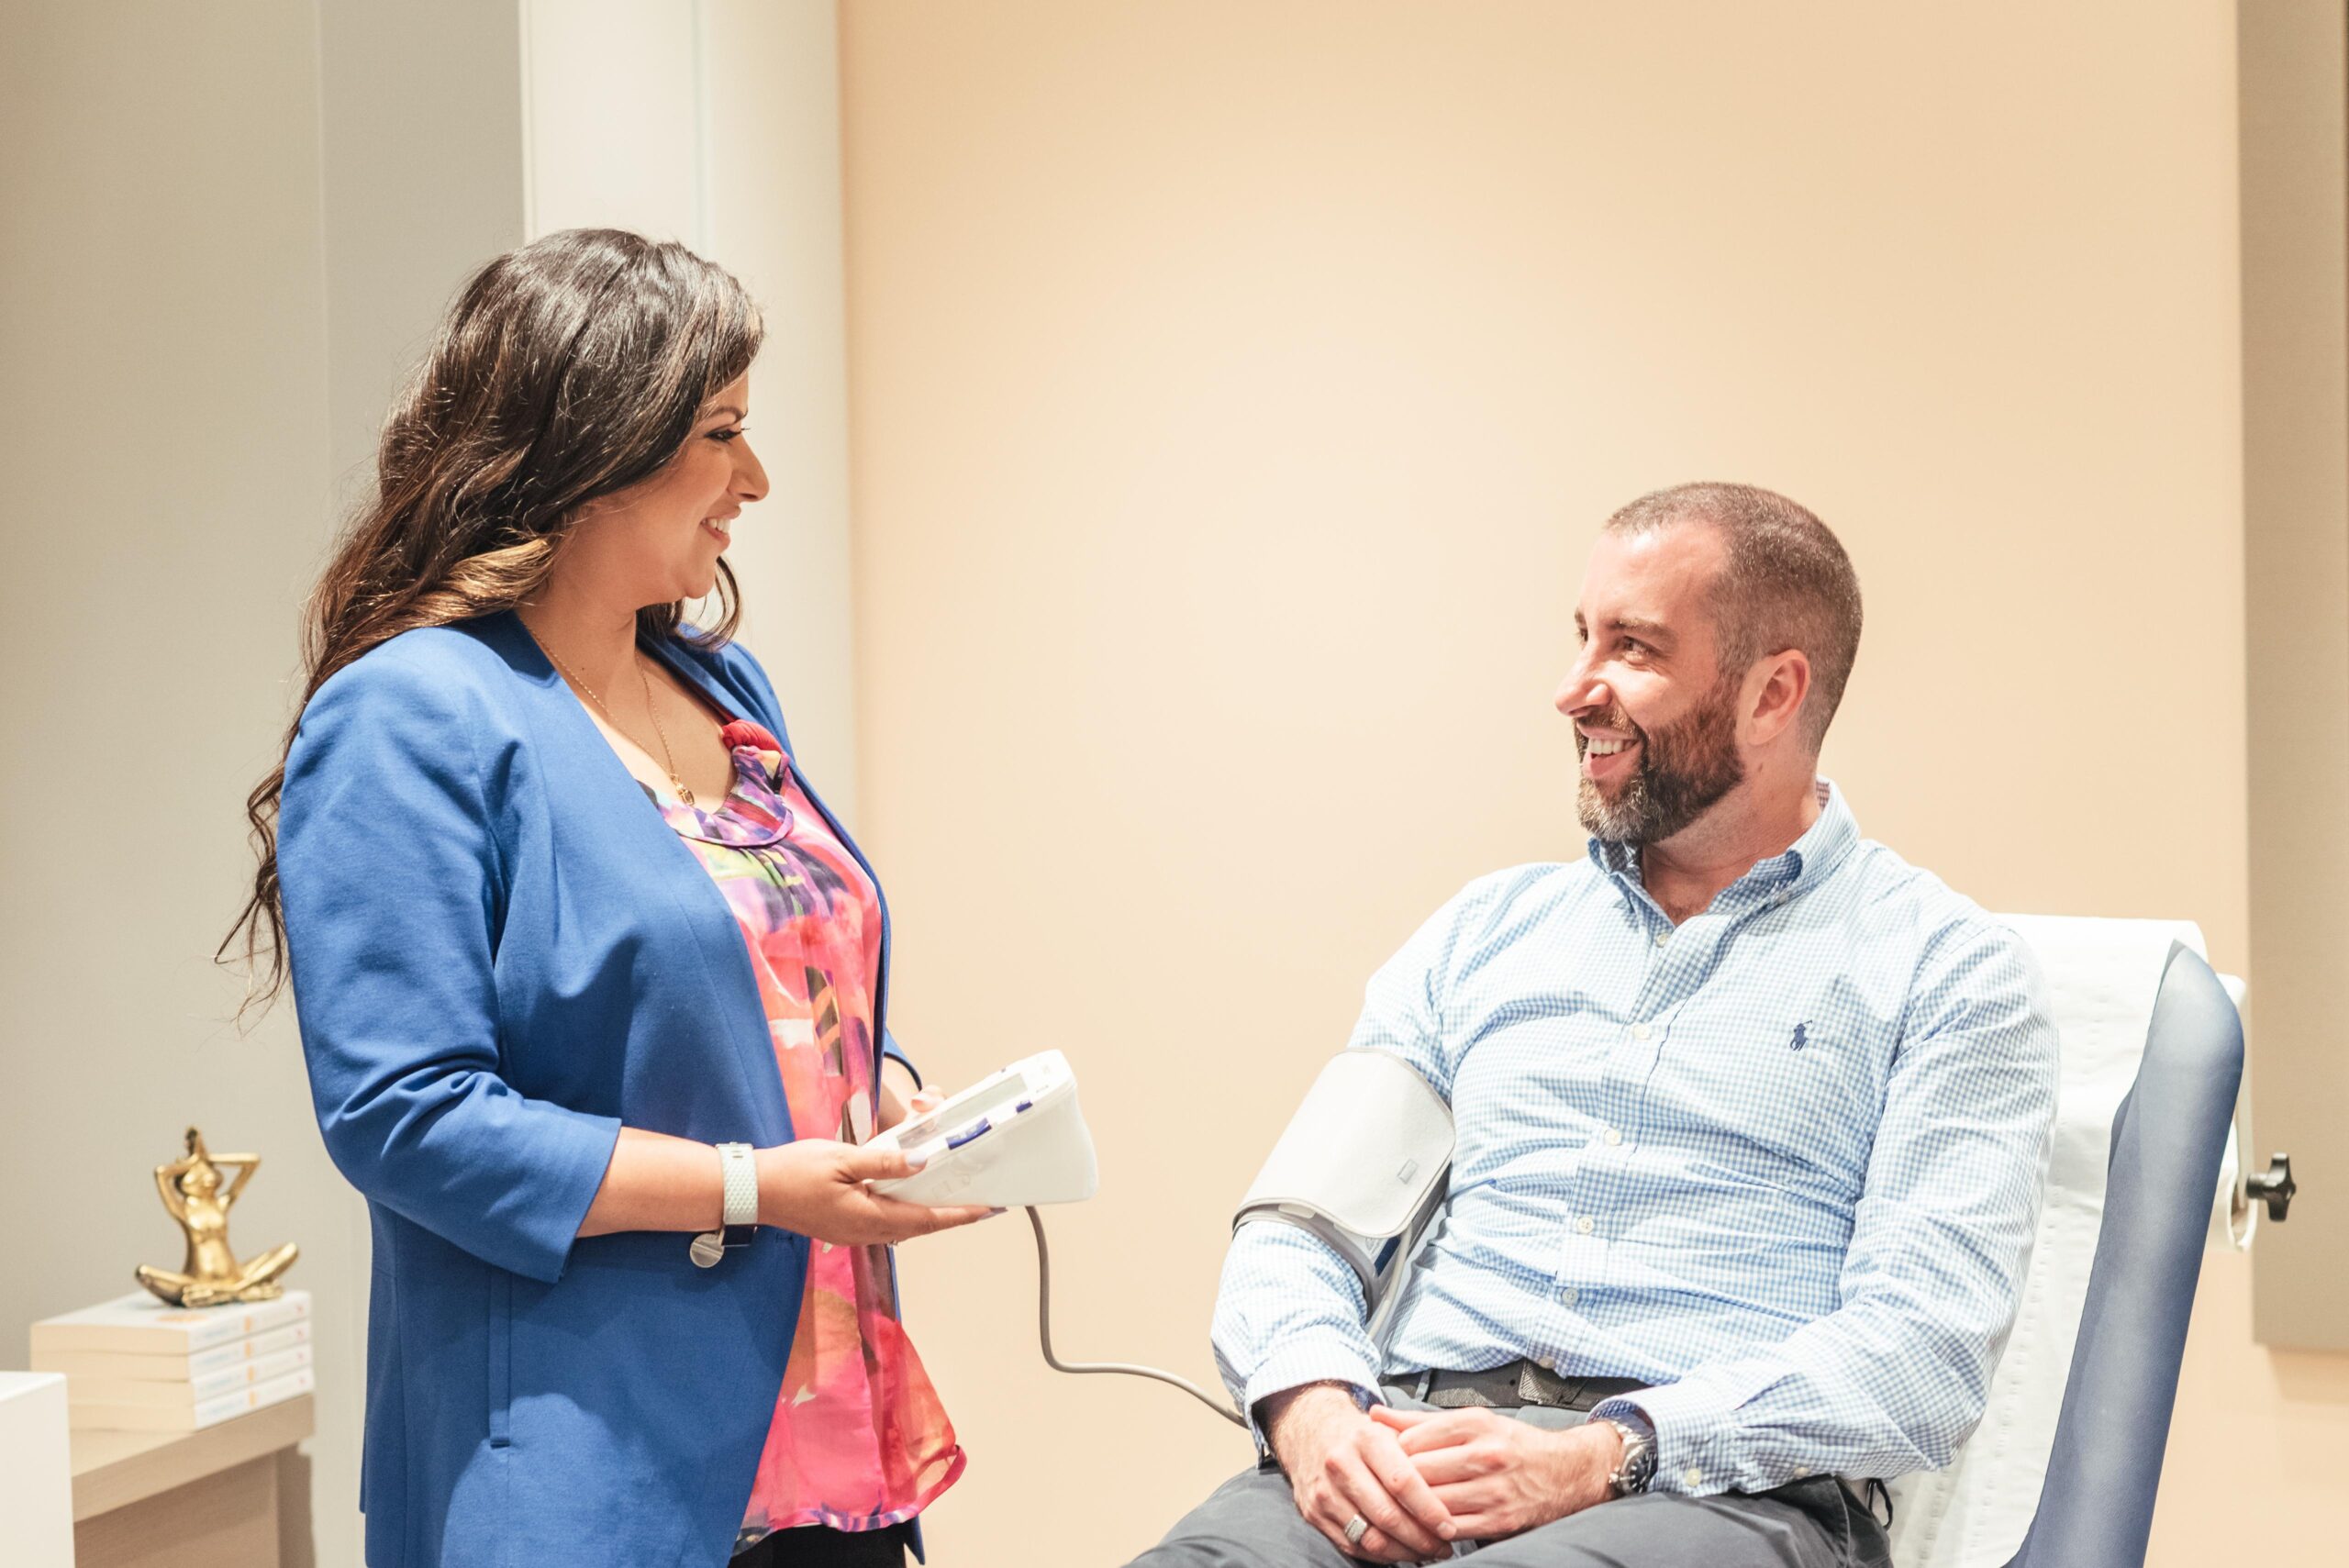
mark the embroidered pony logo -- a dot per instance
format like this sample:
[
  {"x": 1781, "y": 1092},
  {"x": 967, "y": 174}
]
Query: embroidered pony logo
[{"x": 1802, "y": 1039}]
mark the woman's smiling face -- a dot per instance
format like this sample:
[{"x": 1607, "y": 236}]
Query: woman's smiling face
[{"x": 658, "y": 541}]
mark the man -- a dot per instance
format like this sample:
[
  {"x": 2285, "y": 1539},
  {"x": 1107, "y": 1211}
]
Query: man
[{"x": 1753, "y": 1119}]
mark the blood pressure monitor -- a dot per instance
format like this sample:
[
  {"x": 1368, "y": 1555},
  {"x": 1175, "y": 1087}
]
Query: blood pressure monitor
[{"x": 1013, "y": 1138}]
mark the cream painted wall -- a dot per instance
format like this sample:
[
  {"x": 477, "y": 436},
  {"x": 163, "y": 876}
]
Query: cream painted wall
[
  {"x": 1234, "y": 392},
  {"x": 229, "y": 231},
  {"x": 227, "y": 242},
  {"x": 164, "y": 428},
  {"x": 717, "y": 123}
]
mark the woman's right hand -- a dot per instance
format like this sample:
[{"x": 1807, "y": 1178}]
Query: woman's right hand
[{"x": 816, "y": 1187}]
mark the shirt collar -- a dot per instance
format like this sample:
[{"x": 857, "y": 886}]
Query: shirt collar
[{"x": 1801, "y": 866}]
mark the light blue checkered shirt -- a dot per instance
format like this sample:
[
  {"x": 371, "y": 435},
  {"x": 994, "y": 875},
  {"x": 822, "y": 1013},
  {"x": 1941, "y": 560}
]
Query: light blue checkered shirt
[{"x": 1782, "y": 1161}]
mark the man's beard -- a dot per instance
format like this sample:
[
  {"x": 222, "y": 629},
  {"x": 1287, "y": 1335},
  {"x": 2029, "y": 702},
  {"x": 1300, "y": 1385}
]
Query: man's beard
[{"x": 1684, "y": 769}]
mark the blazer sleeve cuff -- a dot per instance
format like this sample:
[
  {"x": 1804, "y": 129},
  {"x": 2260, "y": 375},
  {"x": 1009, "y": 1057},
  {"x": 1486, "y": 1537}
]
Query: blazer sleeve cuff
[
  {"x": 567, "y": 1154},
  {"x": 893, "y": 1052}
]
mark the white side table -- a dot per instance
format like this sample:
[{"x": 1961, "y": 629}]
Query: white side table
[{"x": 36, "y": 1470}]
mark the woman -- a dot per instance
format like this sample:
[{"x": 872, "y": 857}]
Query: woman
[{"x": 562, "y": 918}]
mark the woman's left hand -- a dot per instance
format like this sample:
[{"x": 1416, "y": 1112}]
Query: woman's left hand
[{"x": 895, "y": 1110}]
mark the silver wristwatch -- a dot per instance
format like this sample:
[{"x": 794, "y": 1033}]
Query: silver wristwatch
[
  {"x": 740, "y": 1219},
  {"x": 1637, "y": 1467}
]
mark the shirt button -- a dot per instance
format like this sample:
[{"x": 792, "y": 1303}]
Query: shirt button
[
  {"x": 1613, "y": 1138},
  {"x": 1585, "y": 1224},
  {"x": 1661, "y": 937},
  {"x": 1640, "y": 1031},
  {"x": 1693, "y": 1476},
  {"x": 1569, "y": 1295}
]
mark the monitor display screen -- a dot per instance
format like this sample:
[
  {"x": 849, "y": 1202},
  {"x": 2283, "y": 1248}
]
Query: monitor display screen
[{"x": 1011, "y": 1087}]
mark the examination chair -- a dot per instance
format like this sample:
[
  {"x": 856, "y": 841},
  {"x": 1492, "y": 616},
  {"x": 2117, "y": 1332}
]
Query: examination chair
[
  {"x": 2143, "y": 1180},
  {"x": 2063, "y": 1471}
]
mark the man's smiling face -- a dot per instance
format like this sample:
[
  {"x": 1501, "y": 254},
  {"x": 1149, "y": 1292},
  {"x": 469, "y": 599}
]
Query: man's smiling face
[{"x": 1654, "y": 715}]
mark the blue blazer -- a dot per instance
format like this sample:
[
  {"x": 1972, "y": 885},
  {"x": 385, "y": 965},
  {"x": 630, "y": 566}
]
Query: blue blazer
[{"x": 500, "y": 955}]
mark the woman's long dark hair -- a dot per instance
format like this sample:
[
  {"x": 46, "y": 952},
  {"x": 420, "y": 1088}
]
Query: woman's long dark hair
[{"x": 564, "y": 370}]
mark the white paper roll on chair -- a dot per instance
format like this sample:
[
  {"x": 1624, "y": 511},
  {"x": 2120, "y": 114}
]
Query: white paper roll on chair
[{"x": 2106, "y": 980}]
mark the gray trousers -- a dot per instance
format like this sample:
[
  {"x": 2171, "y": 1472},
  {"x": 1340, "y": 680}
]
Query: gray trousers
[{"x": 1250, "y": 1521}]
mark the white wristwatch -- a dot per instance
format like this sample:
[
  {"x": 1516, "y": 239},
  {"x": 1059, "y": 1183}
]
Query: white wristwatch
[{"x": 741, "y": 1217}]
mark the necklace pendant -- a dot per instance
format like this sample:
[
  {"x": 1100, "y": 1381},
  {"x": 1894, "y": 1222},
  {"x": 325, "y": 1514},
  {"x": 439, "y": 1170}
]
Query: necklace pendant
[{"x": 683, "y": 794}]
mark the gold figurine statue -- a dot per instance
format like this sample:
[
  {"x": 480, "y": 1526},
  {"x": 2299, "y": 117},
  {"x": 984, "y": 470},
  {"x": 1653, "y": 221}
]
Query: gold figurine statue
[{"x": 199, "y": 1197}]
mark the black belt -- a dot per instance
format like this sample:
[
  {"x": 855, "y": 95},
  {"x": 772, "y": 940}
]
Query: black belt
[{"x": 1519, "y": 1383}]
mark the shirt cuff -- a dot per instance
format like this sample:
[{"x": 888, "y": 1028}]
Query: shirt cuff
[
  {"x": 1623, "y": 1413},
  {"x": 1310, "y": 1360},
  {"x": 1693, "y": 1425}
]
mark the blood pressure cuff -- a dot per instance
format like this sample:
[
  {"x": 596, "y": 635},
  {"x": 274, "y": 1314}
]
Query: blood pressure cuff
[{"x": 1363, "y": 1165}]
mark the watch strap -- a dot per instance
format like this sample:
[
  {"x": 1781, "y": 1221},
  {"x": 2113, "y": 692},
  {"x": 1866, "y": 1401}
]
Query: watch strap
[
  {"x": 738, "y": 1219},
  {"x": 741, "y": 1215},
  {"x": 1636, "y": 1469}
]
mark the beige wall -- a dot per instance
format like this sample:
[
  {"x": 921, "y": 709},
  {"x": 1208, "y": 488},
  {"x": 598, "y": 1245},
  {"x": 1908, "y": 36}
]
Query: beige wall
[
  {"x": 1234, "y": 391},
  {"x": 2293, "y": 155}
]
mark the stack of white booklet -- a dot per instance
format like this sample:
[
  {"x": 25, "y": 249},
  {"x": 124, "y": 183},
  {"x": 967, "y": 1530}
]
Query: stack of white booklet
[{"x": 139, "y": 1365}]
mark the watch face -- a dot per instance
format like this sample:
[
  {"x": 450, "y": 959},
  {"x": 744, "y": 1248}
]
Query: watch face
[{"x": 1638, "y": 1467}]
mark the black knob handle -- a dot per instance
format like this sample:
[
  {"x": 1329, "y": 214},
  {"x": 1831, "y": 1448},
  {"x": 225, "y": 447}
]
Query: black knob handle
[{"x": 2275, "y": 1188}]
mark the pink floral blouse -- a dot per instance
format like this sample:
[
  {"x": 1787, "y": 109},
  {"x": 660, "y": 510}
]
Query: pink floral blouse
[{"x": 860, "y": 1440}]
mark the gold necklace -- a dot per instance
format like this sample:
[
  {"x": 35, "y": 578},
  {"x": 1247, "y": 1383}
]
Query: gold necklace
[{"x": 684, "y": 791}]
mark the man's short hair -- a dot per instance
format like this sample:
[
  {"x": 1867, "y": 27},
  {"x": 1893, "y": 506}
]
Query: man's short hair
[{"x": 1787, "y": 584}]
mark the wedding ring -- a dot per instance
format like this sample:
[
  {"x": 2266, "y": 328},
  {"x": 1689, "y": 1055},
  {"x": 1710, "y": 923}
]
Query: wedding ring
[{"x": 1356, "y": 1528}]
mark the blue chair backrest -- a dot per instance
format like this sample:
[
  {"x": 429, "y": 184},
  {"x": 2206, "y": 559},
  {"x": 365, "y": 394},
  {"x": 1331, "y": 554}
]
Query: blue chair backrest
[{"x": 2096, "y": 1509}]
